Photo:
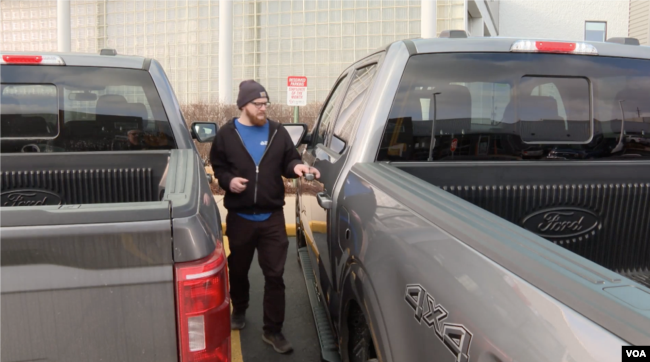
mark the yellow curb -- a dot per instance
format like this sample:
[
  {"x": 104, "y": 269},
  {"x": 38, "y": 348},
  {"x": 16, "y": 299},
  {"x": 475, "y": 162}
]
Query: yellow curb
[
  {"x": 235, "y": 347},
  {"x": 319, "y": 227},
  {"x": 291, "y": 229},
  {"x": 235, "y": 339},
  {"x": 226, "y": 246}
]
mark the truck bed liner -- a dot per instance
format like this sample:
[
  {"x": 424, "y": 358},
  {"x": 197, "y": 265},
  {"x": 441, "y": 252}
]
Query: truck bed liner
[
  {"x": 618, "y": 194},
  {"x": 87, "y": 178}
]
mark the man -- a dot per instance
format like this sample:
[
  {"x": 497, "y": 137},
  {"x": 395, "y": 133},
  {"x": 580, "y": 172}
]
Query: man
[
  {"x": 135, "y": 138},
  {"x": 249, "y": 156}
]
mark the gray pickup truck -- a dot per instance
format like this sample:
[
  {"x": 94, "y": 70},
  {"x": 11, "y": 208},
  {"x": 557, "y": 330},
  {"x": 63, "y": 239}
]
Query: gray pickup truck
[
  {"x": 481, "y": 199},
  {"x": 111, "y": 239}
]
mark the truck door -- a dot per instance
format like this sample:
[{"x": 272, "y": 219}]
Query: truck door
[
  {"x": 313, "y": 217},
  {"x": 329, "y": 156}
]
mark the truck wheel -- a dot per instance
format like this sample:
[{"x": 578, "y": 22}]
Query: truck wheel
[{"x": 360, "y": 346}]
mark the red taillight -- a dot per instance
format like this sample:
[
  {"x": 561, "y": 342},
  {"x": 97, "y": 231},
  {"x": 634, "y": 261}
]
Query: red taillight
[
  {"x": 204, "y": 308},
  {"x": 552, "y": 46},
  {"x": 532, "y": 46},
  {"x": 22, "y": 59},
  {"x": 31, "y": 59}
]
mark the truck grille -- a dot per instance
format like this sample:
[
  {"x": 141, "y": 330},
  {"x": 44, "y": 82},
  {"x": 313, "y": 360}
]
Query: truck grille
[
  {"x": 620, "y": 214},
  {"x": 89, "y": 186}
]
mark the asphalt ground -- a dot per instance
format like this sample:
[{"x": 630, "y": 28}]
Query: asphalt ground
[{"x": 299, "y": 328}]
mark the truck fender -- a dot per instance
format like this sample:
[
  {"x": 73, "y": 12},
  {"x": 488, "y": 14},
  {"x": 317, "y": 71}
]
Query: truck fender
[{"x": 357, "y": 289}]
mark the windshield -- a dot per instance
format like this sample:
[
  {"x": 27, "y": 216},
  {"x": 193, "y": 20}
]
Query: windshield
[
  {"x": 484, "y": 106},
  {"x": 81, "y": 109}
]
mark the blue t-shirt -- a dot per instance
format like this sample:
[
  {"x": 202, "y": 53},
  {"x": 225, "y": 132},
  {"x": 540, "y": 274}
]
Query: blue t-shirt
[{"x": 255, "y": 139}]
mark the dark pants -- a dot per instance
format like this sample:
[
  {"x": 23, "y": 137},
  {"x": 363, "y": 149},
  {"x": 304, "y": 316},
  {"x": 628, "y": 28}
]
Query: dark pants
[{"x": 269, "y": 237}]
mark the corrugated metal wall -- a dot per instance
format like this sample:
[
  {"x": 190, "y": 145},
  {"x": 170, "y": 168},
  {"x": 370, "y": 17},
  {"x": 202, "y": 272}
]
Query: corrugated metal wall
[{"x": 640, "y": 20}]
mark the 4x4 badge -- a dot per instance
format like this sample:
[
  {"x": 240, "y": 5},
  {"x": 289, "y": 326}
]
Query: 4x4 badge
[{"x": 455, "y": 337}]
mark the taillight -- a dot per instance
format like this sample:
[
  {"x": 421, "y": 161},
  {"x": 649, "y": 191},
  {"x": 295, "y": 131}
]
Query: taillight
[
  {"x": 203, "y": 308},
  {"x": 531, "y": 46},
  {"x": 31, "y": 59}
]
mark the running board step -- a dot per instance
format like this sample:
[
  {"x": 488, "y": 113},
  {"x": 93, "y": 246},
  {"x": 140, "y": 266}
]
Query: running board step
[{"x": 329, "y": 350}]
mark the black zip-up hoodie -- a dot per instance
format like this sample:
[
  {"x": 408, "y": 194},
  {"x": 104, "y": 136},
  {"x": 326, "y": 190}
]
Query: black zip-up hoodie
[{"x": 265, "y": 189}]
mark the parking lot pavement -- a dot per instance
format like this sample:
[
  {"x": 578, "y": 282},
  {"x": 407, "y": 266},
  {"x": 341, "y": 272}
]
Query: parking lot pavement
[{"x": 299, "y": 326}]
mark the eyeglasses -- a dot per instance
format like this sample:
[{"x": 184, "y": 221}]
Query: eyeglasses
[{"x": 260, "y": 104}]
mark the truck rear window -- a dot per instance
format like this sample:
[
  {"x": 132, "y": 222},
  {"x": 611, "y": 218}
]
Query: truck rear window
[
  {"x": 81, "y": 109},
  {"x": 484, "y": 106}
]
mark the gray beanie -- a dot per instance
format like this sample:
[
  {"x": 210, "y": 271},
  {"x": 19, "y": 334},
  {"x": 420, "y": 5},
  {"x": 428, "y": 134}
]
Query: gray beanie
[{"x": 250, "y": 90}]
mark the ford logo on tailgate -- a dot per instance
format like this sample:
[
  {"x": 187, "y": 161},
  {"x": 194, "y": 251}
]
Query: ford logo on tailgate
[
  {"x": 29, "y": 198},
  {"x": 560, "y": 223}
]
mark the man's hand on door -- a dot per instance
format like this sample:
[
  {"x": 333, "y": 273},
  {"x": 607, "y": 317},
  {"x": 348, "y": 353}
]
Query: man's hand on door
[{"x": 303, "y": 169}]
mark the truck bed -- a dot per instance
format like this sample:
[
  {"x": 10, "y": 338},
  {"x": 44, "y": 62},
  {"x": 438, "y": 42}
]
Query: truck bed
[
  {"x": 603, "y": 296},
  {"x": 614, "y": 196}
]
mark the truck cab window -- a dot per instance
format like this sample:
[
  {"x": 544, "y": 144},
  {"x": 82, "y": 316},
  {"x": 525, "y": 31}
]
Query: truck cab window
[
  {"x": 102, "y": 109},
  {"x": 352, "y": 106},
  {"x": 441, "y": 112},
  {"x": 327, "y": 116},
  {"x": 29, "y": 111},
  {"x": 556, "y": 110}
]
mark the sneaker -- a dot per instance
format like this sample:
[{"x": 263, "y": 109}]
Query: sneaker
[
  {"x": 237, "y": 321},
  {"x": 277, "y": 340}
]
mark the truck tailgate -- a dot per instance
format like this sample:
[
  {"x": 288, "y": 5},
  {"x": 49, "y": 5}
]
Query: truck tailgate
[{"x": 88, "y": 292}]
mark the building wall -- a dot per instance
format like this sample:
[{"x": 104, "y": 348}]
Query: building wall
[
  {"x": 320, "y": 38},
  {"x": 182, "y": 35},
  {"x": 561, "y": 19},
  {"x": 28, "y": 25},
  {"x": 316, "y": 39},
  {"x": 275, "y": 39},
  {"x": 272, "y": 39},
  {"x": 451, "y": 15},
  {"x": 640, "y": 20}
]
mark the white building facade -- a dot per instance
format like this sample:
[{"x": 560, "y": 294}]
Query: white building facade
[
  {"x": 640, "y": 20},
  {"x": 564, "y": 19},
  {"x": 275, "y": 39}
]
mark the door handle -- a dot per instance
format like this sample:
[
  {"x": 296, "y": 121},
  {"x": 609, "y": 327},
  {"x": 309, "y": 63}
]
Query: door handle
[{"x": 324, "y": 200}]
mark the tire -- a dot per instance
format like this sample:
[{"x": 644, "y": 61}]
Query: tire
[{"x": 360, "y": 345}]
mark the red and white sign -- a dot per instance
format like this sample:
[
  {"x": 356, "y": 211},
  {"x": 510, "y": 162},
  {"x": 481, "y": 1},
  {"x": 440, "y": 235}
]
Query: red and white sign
[
  {"x": 454, "y": 144},
  {"x": 297, "y": 91}
]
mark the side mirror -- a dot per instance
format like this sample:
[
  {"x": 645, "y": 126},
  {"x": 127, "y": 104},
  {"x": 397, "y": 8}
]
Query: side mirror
[
  {"x": 204, "y": 131},
  {"x": 297, "y": 131}
]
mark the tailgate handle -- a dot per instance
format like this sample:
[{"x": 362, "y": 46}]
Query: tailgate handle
[{"x": 324, "y": 200}]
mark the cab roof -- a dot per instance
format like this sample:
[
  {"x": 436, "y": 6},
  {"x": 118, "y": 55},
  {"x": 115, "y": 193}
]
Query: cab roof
[
  {"x": 503, "y": 44},
  {"x": 91, "y": 60}
]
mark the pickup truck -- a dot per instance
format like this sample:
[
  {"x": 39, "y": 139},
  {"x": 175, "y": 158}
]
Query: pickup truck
[
  {"x": 481, "y": 199},
  {"x": 111, "y": 238}
]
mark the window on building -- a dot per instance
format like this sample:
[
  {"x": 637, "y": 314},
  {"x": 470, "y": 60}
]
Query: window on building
[{"x": 595, "y": 30}]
